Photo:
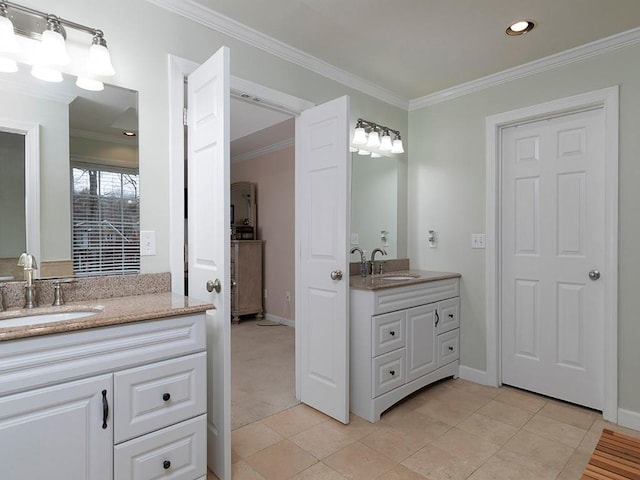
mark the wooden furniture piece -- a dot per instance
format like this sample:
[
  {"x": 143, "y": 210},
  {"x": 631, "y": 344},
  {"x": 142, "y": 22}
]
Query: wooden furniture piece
[
  {"x": 246, "y": 278},
  {"x": 124, "y": 402},
  {"x": 617, "y": 456},
  {"x": 402, "y": 339}
]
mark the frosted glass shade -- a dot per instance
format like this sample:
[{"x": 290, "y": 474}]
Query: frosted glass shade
[
  {"x": 364, "y": 152},
  {"x": 385, "y": 143},
  {"x": 8, "y": 40},
  {"x": 397, "y": 146},
  {"x": 100, "y": 61},
  {"x": 47, "y": 74},
  {"x": 374, "y": 140},
  {"x": 359, "y": 136},
  {"x": 53, "y": 50},
  {"x": 7, "y": 65},
  {"x": 90, "y": 84},
  {"x": 375, "y": 155}
]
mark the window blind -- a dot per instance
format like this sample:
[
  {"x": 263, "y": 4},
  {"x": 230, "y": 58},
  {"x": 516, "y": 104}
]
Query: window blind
[{"x": 106, "y": 221}]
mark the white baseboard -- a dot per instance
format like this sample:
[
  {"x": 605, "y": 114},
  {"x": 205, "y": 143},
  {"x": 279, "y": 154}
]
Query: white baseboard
[
  {"x": 473, "y": 375},
  {"x": 282, "y": 321},
  {"x": 629, "y": 418}
]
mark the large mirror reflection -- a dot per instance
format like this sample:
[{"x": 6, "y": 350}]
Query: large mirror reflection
[
  {"x": 85, "y": 161},
  {"x": 374, "y": 203}
]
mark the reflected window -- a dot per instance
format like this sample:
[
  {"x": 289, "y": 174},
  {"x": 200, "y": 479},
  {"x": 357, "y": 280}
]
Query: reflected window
[{"x": 106, "y": 221}]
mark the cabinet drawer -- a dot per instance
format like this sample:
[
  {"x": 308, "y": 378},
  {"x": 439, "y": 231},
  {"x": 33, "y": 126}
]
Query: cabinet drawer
[
  {"x": 392, "y": 299},
  {"x": 449, "y": 312},
  {"x": 388, "y": 372},
  {"x": 178, "y": 452},
  {"x": 154, "y": 396},
  {"x": 388, "y": 333},
  {"x": 448, "y": 344}
]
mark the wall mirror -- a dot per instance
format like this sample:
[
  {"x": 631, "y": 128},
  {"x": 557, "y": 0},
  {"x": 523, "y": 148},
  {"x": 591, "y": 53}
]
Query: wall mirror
[
  {"x": 243, "y": 211},
  {"x": 85, "y": 164},
  {"x": 374, "y": 203}
]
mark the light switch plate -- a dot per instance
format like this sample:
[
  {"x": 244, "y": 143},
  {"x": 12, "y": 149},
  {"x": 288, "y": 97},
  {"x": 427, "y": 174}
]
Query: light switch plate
[
  {"x": 147, "y": 242},
  {"x": 355, "y": 239},
  {"x": 478, "y": 240}
]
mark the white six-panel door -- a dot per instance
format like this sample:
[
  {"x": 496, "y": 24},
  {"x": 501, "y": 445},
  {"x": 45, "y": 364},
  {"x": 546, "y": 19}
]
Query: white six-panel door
[
  {"x": 209, "y": 241},
  {"x": 323, "y": 167},
  {"x": 552, "y": 247}
]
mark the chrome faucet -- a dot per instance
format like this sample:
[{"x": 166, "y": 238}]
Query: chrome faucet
[
  {"x": 363, "y": 261},
  {"x": 28, "y": 262},
  {"x": 373, "y": 258}
]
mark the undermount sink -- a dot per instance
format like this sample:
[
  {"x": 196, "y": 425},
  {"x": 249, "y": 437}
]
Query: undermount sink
[
  {"x": 45, "y": 317},
  {"x": 399, "y": 278}
]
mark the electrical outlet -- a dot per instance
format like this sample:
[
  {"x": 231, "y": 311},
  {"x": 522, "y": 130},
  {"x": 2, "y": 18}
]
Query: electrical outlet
[
  {"x": 148, "y": 242},
  {"x": 287, "y": 296}
]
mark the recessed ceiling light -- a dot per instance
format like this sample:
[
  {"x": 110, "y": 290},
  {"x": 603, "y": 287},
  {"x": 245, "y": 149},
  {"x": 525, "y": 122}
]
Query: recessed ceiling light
[{"x": 520, "y": 28}]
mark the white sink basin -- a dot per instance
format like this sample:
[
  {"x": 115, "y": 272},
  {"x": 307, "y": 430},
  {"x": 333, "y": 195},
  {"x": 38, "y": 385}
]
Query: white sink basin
[
  {"x": 45, "y": 317},
  {"x": 399, "y": 278}
]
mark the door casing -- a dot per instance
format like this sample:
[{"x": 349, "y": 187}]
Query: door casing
[{"x": 606, "y": 98}]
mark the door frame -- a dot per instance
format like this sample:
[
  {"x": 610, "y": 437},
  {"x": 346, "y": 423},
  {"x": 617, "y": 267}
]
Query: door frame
[{"x": 607, "y": 99}]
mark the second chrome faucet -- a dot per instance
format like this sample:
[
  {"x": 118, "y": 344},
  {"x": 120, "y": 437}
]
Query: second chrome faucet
[{"x": 373, "y": 260}]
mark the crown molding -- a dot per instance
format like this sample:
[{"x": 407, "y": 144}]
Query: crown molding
[
  {"x": 289, "y": 142},
  {"x": 614, "y": 42},
  {"x": 227, "y": 26}
]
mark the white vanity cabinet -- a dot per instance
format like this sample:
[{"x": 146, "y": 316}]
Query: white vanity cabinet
[
  {"x": 402, "y": 338},
  {"x": 119, "y": 402}
]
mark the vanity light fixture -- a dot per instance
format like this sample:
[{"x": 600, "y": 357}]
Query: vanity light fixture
[
  {"x": 51, "y": 51},
  {"x": 367, "y": 134},
  {"x": 519, "y": 28},
  {"x": 364, "y": 152}
]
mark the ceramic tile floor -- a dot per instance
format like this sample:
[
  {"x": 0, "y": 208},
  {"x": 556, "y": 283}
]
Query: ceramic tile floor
[{"x": 452, "y": 430}]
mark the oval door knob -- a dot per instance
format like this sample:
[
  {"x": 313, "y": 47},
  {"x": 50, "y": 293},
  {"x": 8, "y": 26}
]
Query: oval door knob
[
  {"x": 215, "y": 285},
  {"x": 594, "y": 275},
  {"x": 336, "y": 275}
]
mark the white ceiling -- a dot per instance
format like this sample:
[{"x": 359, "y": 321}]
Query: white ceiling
[{"x": 414, "y": 48}]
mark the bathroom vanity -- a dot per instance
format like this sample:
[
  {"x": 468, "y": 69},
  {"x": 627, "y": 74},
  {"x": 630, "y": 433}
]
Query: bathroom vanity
[
  {"x": 117, "y": 395},
  {"x": 404, "y": 335}
]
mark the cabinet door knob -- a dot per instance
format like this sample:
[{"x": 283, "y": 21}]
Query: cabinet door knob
[
  {"x": 451, "y": 348},
  {"x": 166, "y": 464},
  {"x": 451, "y": 315},
  {"x": 166, "y": 397},
  {"x": 392, "y": 372},
  {"x": 392, "y": 333}
]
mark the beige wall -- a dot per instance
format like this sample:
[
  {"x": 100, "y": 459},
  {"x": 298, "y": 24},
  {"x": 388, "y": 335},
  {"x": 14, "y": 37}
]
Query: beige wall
[
  {"x": 447, "y": 192},
  {"x": 273, "y": 175}
]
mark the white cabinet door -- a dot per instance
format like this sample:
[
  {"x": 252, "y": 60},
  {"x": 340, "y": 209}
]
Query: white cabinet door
[
  {"x": 421, "y": 341},
  {"x": 58, "y": 433}
]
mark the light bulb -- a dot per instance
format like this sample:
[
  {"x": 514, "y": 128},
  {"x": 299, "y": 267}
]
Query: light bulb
[
  {"x": 90, "y": 84},
  {"x": 385, "y": 142},
  {"x": 397, "y": 146},
  {"x": 374, "y": 139},
  {"x": 359, "y": 136},
  {"x": 8, "y": 40},
  {"x": 47, "y": 74},
  {"x": 53, "y": 50},
  {"x": 99, "y": 60}
]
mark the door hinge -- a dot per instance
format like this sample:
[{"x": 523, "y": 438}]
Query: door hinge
[{"x": 185, "y": 116}]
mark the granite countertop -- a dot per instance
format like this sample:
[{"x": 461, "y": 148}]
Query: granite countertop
[
  {"x": 111, "y": 311},
  {"x": 377, "y": 282}
]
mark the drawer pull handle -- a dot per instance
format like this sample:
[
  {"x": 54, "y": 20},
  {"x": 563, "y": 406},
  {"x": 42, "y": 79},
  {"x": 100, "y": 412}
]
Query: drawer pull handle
[
  {"x": 437, "y": 318},
  {"x": 166, "y": 464},
  {"x": 392, "y": 372},
  {"x": 451, "y": 348},
  {"x": 166, "y": 397},
  {"x": 105, "y": 409},
  {"x": 392, "y": 333},
  {"x": 451, "y": 315}
]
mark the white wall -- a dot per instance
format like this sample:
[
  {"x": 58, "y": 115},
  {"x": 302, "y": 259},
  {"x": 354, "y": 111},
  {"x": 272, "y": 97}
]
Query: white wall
[{"x": 447, "y": 192}]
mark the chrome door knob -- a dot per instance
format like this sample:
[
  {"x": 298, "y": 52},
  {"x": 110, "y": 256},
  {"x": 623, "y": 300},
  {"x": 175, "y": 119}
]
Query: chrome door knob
[
  {"x": 336, "y": 275},
  {"x": 594, "y": 275},
  {"x": 214, "y": 285}
]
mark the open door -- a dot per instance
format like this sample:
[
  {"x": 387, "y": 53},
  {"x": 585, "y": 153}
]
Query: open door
[
  {"x": 323, "y": 179},
  {"x": 209, "y": 238}
]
